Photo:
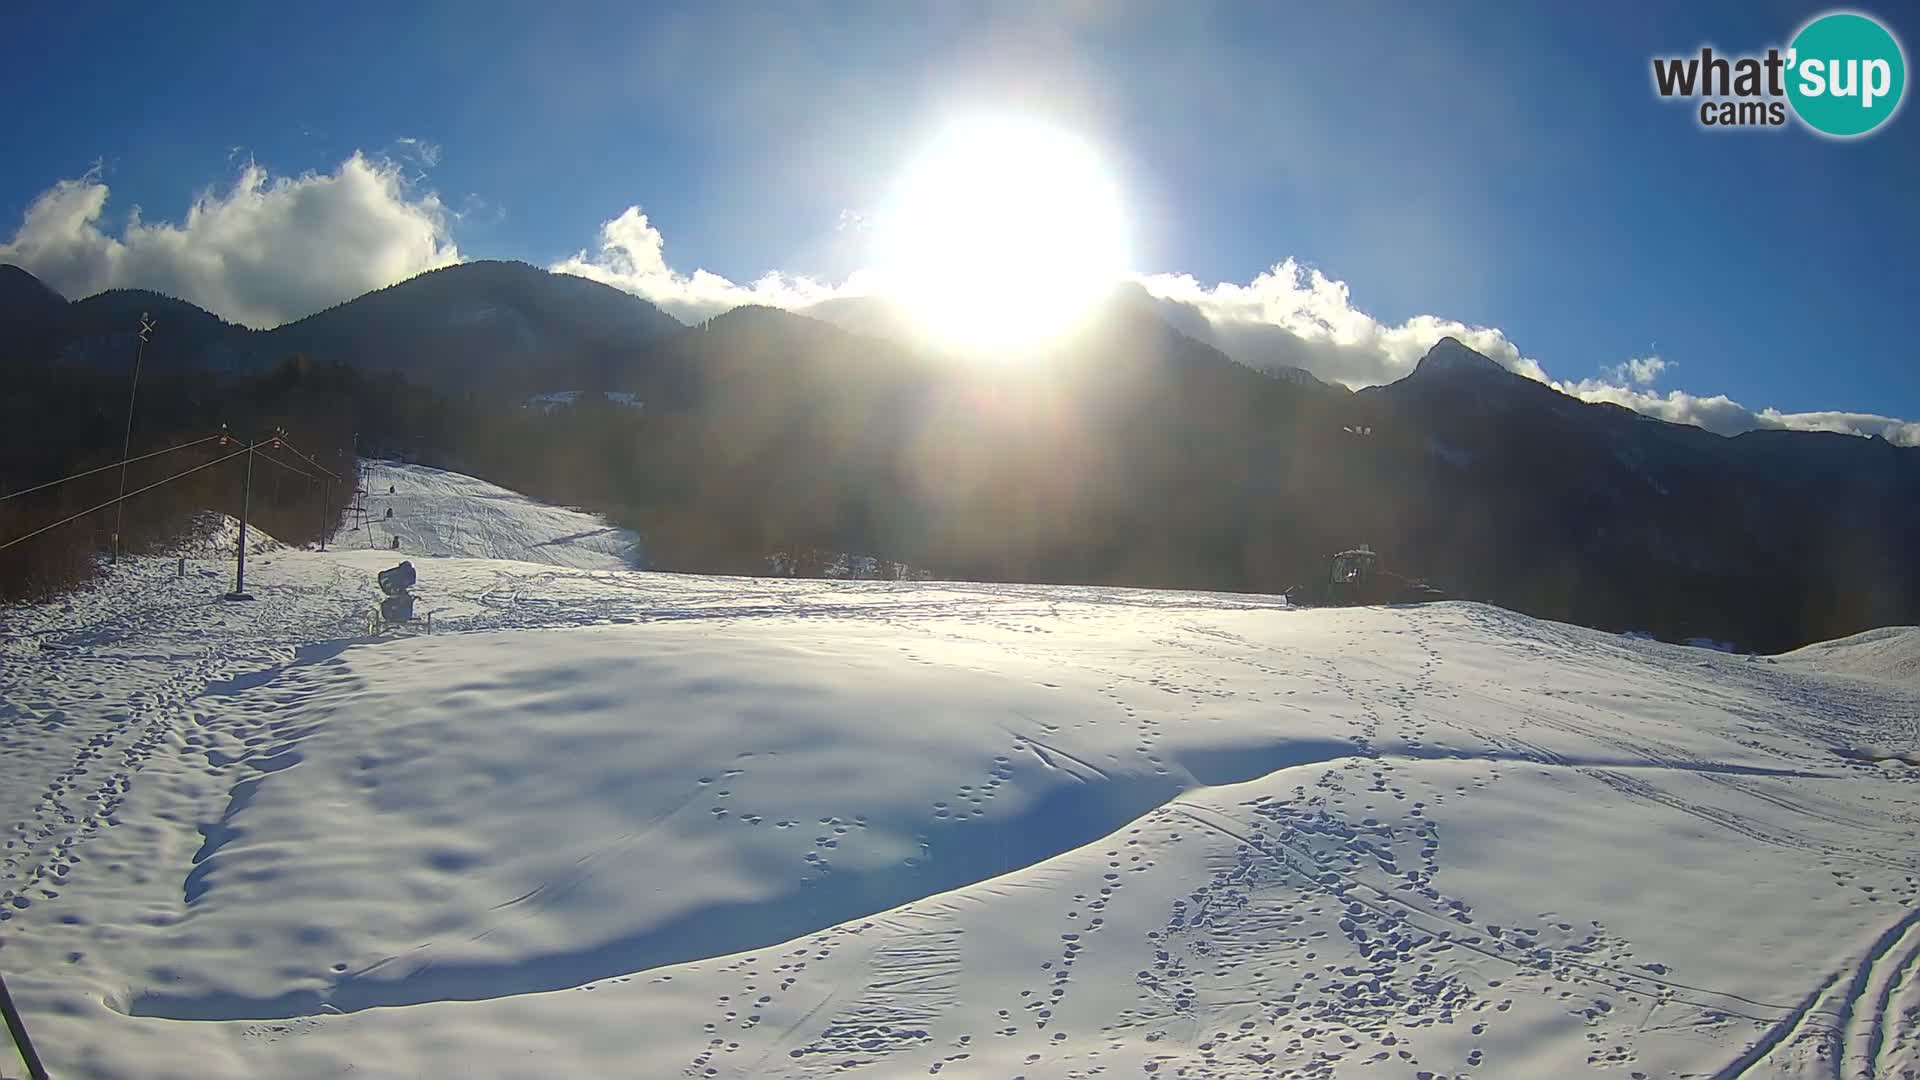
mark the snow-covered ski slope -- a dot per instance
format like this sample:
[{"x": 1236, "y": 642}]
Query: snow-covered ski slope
[
  {"x": 440, "y": 513},
  {"x": 1890, "y": 654},
  {"x": 620, "y": 823}
]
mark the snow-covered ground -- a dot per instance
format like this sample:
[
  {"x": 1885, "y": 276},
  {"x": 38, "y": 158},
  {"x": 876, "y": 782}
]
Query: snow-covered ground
[
  {"x": 607, "y": 822},
  {"x": 1890, "y": 655},
  {"x": 441, "y": 513}
]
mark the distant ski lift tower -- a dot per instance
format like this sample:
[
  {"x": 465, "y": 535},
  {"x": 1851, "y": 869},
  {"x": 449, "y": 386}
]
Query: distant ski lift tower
[
  {"x": 126, "y": 442},
  {"x": 240, "y": 549},
  {"x": 359, "y": 510}
]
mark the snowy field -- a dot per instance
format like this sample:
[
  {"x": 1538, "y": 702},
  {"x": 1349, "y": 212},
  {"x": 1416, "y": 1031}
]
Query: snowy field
[{"x": 606, "y": 822}]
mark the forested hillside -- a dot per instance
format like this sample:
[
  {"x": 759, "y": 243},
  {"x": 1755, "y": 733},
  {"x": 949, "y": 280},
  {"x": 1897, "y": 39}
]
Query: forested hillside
[
  {"x": 1126, "y": 453},
  {"x": 57, "y": 422}
]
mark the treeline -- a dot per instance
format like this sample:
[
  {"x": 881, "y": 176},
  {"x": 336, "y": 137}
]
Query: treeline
[
  {"x": 764, "y": 436},
  {"x": 56, "y": 422},
  {"x": 1135, "y": 457},
  {"x": 1128, "y": 456}
]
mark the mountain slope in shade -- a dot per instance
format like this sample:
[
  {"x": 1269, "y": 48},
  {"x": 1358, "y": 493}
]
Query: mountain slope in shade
[
  {"x": 485, "y": 324},
  {"x": 1514, "y": 492},
  {"x": 1449, "y": 354},
  {"x": 24, "y": 296},
  {"x": 28, "y": 309},
  {"x": 1123, "y": 454},
  {"x": 1128, "y": 452},
  {"x": 873, "y": 315},
  {"x": 881, "y": 317},
  {"x": 500, "y": 323},
  {"x": 100, "y": 332}
]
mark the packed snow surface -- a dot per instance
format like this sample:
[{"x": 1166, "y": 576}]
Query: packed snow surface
[
  {"x": 605, "y": 822},
  {"x": 1890, "y": 654},
  {"x": 435, "y": 512}
]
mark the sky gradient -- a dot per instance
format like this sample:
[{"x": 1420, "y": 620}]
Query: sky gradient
[{"x": 1477, "y": 166}]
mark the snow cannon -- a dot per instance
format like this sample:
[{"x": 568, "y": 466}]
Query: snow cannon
[
  {"x": 397, "y": 580},
  {"x": 397, "y": 608}
]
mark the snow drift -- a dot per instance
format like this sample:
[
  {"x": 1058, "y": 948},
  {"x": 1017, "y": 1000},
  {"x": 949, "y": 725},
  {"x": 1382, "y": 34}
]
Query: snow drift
[{"x": 1890, "y": 654}]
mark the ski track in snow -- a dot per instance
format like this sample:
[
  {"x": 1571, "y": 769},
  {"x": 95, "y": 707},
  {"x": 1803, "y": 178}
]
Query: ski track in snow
[{"x": 606, "y": 820}]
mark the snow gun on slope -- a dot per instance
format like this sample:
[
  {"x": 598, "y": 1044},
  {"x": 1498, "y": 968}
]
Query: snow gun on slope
[{"x": 396, "y": 610}]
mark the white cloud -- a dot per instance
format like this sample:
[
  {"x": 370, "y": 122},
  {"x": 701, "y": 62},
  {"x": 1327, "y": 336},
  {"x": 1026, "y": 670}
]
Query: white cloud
[
  {"x": 1293, "y": 316},
  {"x": 1289, "y": 316},
  {"x": 425, "y": 152},
  {"x": 271, "y": 249},
  {"x": 1894, "y": 430},
  {"x": 1639, "y": 370},
  {"x": 1297, "y": 317},
  {"x": 265, "y": 251},
  {"x": 632, "y": 257},
  {"x": 1725, "y": 416}
]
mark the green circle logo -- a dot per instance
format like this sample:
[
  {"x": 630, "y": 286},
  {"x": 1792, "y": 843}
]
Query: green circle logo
[{"x": 1846, "y": 74}]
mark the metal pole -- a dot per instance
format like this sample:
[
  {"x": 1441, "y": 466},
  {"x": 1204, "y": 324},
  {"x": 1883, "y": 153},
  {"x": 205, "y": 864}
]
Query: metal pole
[
  {"x": 18, "y": 1029},
  {"x": 240, "y": 564},
  {"x": 126, "y": 442},
  {"x": 326, "y": 498}
]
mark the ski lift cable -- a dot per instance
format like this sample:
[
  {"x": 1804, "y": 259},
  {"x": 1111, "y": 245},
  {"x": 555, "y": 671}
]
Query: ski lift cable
[
  {"x": 303, "y": 456},
  {"x": 128, "y": 495},
  {"x": 264, "y": 456},
  {"x": 104, "y": 468}
]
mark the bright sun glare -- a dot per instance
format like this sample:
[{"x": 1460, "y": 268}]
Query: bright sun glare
[{"x": 1001, "y": 234}]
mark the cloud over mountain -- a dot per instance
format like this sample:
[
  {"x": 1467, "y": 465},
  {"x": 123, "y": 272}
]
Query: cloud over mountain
[
  {"x": 262, "y": 252},
  {"x": 270, "y": 249},
  {"x": 1293, "y": 316},
  {"x": 1723, "y": 415},
  {"x": 631, "y": 255}
]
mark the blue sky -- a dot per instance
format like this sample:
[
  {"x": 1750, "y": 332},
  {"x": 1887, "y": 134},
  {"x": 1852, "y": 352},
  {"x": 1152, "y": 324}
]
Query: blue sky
[{"x": 1502, "y": 168}]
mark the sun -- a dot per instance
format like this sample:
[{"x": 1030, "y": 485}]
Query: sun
[{"x": 1001, "y": 234}]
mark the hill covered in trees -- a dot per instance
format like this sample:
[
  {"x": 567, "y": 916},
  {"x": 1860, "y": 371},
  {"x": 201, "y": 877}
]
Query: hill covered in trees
[
  {"x": 511, "y": 324},
  {"x": 60, "y": 422},
  {"x": 1126, "y": 454}
]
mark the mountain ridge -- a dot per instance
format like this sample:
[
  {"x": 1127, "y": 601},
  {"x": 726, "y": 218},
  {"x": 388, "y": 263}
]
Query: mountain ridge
[
  {"x": 1128, "y": 453},
  {"x": 1452, "y": 354},
  {"x": 493, "y": 319}
]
